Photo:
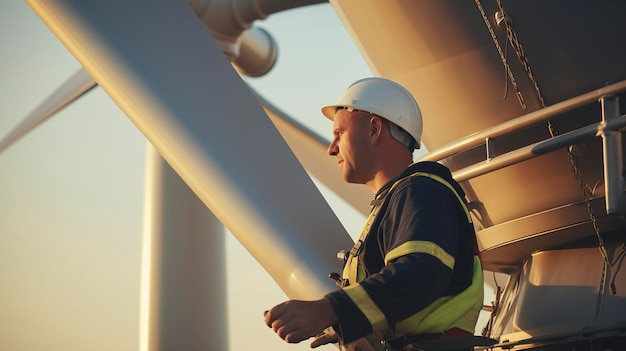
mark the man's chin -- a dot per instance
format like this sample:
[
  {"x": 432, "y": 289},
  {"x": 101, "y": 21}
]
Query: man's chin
[{"x": 351, "y": 179}]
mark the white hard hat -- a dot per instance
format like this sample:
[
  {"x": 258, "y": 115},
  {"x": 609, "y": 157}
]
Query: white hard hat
[{"x": 384, "y": 98}]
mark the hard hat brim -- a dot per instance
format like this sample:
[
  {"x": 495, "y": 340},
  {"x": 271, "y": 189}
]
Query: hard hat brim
[{"x": 330, "y": 110}]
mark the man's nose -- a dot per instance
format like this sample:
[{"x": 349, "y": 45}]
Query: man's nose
[{"x": 333, "y": 149}]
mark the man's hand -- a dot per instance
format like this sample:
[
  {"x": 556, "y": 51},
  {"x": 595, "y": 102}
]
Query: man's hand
[
  {"x": 326, "y": 337},
  {"x": 296, "y": 320}
]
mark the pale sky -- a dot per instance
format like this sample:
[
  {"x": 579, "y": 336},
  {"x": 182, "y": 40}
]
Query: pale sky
[{"x": 71, "y": 191}]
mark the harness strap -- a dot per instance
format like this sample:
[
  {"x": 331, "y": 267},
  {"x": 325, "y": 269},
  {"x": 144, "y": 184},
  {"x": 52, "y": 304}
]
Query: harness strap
[{"x": 352, "y": 272}]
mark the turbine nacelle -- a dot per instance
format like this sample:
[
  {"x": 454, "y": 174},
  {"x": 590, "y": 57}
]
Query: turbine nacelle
[{"x": 252, "y": 50}]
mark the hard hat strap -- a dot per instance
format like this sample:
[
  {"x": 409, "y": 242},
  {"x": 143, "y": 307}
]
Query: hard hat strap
[
  {"x": 397, "y": 132},
  {"x": 402, "y": 136}
]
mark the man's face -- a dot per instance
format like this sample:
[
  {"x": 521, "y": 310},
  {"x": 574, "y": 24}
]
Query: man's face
[{"x": 350, "y": 145}]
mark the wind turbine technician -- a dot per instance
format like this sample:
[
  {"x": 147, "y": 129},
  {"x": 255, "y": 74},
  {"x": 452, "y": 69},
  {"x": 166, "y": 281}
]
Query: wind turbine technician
[{"x": 415, "y": 272}]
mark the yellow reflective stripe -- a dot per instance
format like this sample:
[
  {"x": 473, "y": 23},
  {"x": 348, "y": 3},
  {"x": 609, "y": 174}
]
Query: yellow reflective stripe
[
  {"x": 368, "y": 307},
  {"x": 418, "y": 246},
  {"x": 460, "y": 311},
  {"x": 444, "y": 182}
]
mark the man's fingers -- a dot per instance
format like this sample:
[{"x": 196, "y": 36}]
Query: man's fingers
[
  {"x": 293, "y": 337},
  {"x": 267, "y": 317},
  {"x": 277, "y": 326},
  {"x": 290, "y": 332},
  {"x": 323, "y": 339},
  {"x": 273, "y": 314},
  {"x": 281, "y": 326},
  {"x": 294, "y": 321}
]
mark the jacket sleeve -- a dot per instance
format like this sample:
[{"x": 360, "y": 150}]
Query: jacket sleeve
[{"x": 418, "y": 236}]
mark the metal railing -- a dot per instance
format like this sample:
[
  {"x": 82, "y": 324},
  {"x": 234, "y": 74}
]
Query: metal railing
[{"x": 609, "y": 129}]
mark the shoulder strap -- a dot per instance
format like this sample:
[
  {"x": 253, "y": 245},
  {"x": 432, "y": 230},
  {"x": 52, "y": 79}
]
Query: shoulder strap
[
  {"x": 350, "y": 273},
  {"x": 449, "y": 186}
]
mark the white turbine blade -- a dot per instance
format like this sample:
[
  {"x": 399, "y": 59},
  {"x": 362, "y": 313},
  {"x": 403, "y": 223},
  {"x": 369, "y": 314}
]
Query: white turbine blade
[
  {"x": 310, "y": 149},
  {"x": 163, "y": 69},
  {"x": 77, "y": 85}
]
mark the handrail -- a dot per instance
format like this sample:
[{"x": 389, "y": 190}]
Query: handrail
[
  {"x": 609, "y": 129},
  {"x": 518, "y": 123},
  {"x": 537, "y": 149}
]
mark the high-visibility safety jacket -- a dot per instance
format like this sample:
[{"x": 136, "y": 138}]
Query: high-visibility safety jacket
[{"x": 415, "y": 269}]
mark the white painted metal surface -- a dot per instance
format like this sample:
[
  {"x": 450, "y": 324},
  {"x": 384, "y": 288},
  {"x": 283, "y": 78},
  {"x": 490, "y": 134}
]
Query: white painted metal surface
[
  {"x": 183, "y": 287},
  {"x": 167, "y": 74},
  {"x": 612, "y": 156},
  {"x": 77, "y": 85}
]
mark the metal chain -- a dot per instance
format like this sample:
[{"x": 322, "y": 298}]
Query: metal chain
[
  {"x": 495, "y": 309},
  {"x": 587, "y": 192},
  {"x": 511, "y": 36},
  {"x": 502, "y": 56}
]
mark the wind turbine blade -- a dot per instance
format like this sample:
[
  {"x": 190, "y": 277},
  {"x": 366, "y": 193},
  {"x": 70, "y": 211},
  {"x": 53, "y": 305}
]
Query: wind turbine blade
[
  {"x": 310, "y": 149},
  {"x": 164, "y": 70},
  {"x": 77, "y": 85}
]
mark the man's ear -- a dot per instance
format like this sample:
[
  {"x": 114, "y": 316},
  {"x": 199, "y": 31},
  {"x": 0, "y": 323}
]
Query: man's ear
[{"x": 376, "y": 127}]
